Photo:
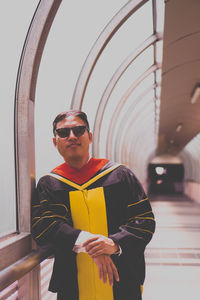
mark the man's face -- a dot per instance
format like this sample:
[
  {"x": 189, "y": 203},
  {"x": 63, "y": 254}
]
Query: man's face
[{"x": 72, "y": 147}]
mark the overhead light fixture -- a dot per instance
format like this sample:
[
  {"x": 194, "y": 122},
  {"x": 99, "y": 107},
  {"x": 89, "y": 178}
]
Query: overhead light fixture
[
  {"x": 179, "y": 127},
  {"x": 160, "y": 170},
  {"x": 195, "y": 96}
]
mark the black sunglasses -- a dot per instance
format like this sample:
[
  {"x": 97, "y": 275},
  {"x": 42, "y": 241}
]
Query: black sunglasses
[{"x": 65, "y": 131}]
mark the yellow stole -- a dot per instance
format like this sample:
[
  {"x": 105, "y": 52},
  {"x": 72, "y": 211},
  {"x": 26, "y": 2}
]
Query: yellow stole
[
  {"x": 89, "y": 214},
  {"x": 88, "y": 210}
]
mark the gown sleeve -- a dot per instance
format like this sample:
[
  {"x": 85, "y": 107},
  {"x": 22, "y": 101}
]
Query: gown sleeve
[
  {"x": 139, "y": 225},
  {"x": 51, "y": 220}
]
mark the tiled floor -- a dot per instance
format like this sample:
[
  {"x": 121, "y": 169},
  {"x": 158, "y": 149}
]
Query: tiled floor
[{"x": 173, "y": 255}]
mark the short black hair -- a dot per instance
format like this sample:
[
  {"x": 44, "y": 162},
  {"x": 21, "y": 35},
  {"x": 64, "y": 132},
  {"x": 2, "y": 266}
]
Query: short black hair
[{"x": 66, "y": 114}]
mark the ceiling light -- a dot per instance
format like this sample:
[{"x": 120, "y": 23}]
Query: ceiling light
[
  {"x": 195, "y": 94},
  {"x": 160, "y": 170},
  {"x": 179, "y": 127}
]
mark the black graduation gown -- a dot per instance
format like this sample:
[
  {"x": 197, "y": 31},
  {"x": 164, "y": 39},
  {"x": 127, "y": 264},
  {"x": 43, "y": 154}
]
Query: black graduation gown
[{"x": 127, "y": 216}]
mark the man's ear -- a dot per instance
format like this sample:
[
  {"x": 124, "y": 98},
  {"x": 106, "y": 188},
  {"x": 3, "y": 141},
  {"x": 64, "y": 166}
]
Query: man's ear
[
  {"x": 54, "y": 141},
  {"x": 90, "y": 137}
]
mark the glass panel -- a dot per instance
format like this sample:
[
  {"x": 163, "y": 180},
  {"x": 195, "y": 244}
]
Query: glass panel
[
  {"x": 158, "y": 76},
  {"x": 137, "y": 68},
  {"x": 158, "y": 90},
  {"x": 159, "y": 51},
  {"x": 142, "y": 140},
  {"x": 13, "y": 31},
  {"x": 133, "y": 32},
  {"x": 137, "y": 97},
  {"x": 136, "y": 120},
  {"x": 160, "y": 6}
]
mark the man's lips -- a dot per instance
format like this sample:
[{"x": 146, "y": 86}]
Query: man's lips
[{"x": 73, "y": 145}]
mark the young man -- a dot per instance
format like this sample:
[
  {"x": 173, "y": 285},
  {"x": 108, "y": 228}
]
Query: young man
[{"x": 95, "y": 216}]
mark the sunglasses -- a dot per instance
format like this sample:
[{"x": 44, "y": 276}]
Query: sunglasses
[{"x": 65, "y": 131}]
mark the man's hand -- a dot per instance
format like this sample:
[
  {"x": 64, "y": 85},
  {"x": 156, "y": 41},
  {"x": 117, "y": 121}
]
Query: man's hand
[
  {"x": 106, "y": 268},
  {"x": 100, "y": 245}
]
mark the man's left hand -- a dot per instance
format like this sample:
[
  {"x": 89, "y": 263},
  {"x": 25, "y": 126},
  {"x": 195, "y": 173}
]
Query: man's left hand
[{"x": 100, "y": 245}]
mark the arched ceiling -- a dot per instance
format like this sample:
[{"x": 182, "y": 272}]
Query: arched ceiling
[{"x": 180, "y": 74}]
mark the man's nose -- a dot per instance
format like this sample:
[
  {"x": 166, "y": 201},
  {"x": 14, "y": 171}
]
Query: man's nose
[{"x": 71, "y": 135}]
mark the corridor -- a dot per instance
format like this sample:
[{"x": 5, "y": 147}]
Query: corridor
[
  {"x": 133, "y": 67},
  {"x": 173, "y": 255}
]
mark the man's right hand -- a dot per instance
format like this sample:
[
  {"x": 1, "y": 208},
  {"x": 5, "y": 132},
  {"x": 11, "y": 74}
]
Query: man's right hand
[{"x": 106, "y": 268}]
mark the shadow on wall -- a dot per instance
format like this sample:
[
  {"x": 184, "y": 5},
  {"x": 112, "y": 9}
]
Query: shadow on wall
[{"x": 165, "y": 178}]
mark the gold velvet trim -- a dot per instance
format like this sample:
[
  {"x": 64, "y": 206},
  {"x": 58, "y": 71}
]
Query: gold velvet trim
[
  {"x": 138, "y": 202},
  {"x": 37, "y": 237},
  {"x": 88, "y": 211}
]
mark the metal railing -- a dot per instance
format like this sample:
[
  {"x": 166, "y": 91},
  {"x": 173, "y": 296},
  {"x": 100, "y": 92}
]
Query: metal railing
[{"x": 23, "y": 266}]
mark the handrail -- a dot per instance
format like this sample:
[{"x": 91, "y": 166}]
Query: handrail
[{"x": 23, "y": 266}]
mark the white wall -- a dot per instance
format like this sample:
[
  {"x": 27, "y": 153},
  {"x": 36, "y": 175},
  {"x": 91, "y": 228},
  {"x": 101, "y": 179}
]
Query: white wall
[{"x": 192, "y": 190}]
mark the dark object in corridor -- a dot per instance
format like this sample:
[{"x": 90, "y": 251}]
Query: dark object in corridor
[{"x": 165, "y": 178}]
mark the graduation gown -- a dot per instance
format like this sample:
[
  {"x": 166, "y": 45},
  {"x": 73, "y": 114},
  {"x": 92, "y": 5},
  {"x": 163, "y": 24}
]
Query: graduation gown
[{"x": 103, "y": 198}]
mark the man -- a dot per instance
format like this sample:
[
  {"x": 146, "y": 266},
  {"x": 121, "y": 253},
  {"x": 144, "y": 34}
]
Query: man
[{"x": 95, "y": 216}]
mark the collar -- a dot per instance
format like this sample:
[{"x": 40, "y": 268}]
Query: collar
[{"x": 83, "y": 174}]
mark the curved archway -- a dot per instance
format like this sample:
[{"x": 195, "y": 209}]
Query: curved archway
[
  {"x": 127, "y": 119},
  {"x": 24, "y": 104},
  {"x": 99, "y": 46},
  {"x": 121, "y": 103},
  {"x": 115, "y": 78}
]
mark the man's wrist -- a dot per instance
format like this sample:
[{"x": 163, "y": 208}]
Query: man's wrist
[{"x": 118, "y": 250}]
